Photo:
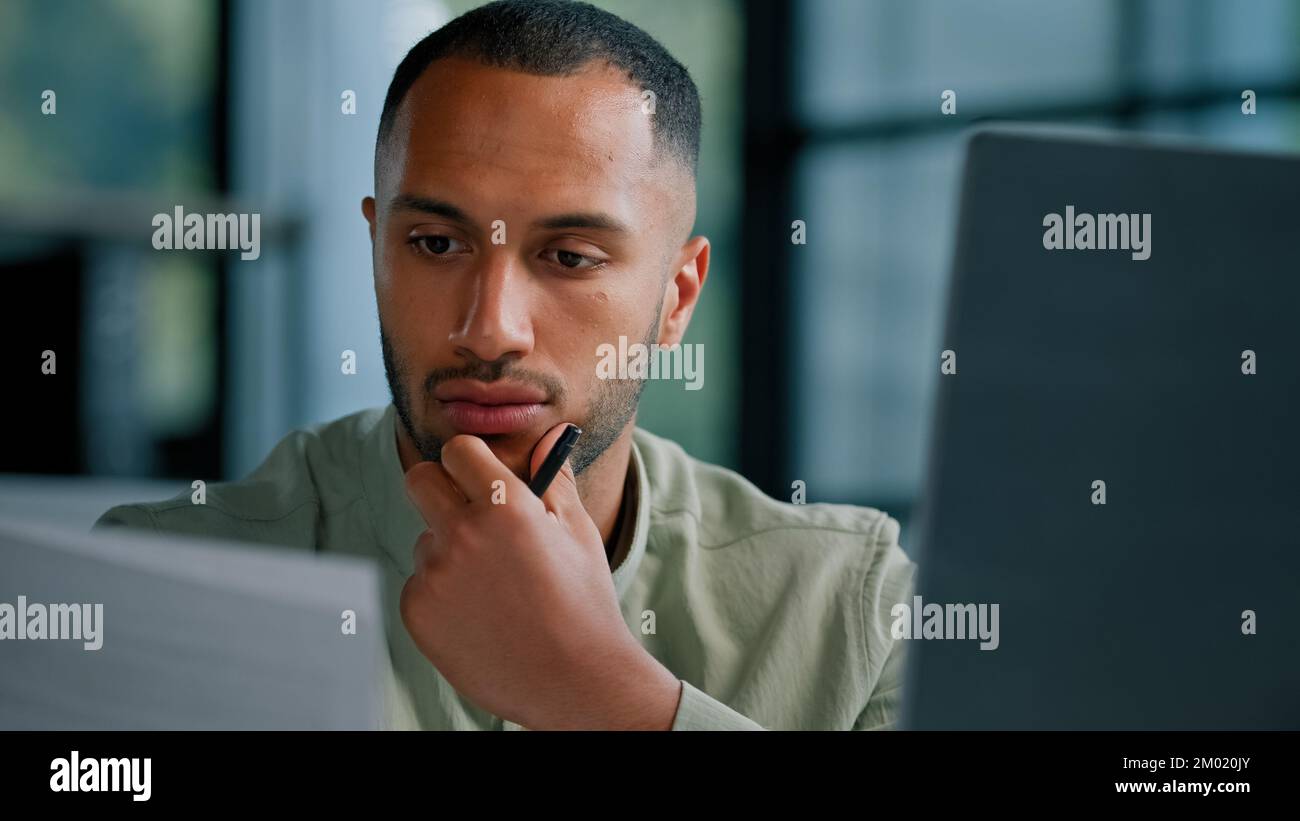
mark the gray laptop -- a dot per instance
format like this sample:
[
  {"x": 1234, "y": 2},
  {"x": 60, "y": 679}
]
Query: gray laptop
[
  {"x": 127, "y": 630},
  {"x": 1158, "y": 352}
]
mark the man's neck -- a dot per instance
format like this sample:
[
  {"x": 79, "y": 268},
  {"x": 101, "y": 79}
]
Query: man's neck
[{"x": 601, "y": 485}]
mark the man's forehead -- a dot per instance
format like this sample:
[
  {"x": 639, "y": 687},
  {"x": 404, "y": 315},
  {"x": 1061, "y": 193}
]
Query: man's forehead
[{"x": 462, "y": 114}]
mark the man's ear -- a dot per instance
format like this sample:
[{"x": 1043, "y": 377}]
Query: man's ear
[
  {"x": 368, "y": 209},
  {"x": 682, "y": 290}
]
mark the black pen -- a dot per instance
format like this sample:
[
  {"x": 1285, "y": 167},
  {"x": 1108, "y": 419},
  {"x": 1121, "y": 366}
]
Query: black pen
[{"x": 554, "y": 460}]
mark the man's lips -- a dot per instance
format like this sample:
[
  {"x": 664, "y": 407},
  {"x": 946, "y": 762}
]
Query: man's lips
[
  {"x": 488, "y": 393},
  {"x": 471, "y": 417},
  {"x": 489, "y": 407}
]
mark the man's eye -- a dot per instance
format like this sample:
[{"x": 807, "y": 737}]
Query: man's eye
[
  {"x": 437, "y": 245},
  {"x": 571, "y": 259}
]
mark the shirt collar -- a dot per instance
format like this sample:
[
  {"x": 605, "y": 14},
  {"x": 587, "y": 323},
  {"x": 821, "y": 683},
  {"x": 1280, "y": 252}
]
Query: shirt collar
[{"x": 397, "y": 523}]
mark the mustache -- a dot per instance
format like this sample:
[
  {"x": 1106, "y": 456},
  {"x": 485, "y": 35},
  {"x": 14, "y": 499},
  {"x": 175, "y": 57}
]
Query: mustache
[{"x": 499, "y": 369}]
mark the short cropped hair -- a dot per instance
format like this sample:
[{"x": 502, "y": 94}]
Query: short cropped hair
[{"x": 555, "y": 38}]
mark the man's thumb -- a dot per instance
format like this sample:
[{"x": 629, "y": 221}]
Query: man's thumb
[{"x": 544, "y": 447}]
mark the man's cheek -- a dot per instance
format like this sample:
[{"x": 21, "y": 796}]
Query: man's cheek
[{"x": 421, "y": 335}]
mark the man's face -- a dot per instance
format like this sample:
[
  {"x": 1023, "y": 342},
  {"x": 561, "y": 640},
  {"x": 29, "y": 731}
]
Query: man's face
[{"x": 519, "y": 223}]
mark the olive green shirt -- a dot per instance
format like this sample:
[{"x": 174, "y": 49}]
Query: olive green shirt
[{"x": 773, "y": 615}]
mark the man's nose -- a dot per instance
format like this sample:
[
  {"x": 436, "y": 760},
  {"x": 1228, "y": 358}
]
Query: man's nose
[{"x": 497, "y": 319}]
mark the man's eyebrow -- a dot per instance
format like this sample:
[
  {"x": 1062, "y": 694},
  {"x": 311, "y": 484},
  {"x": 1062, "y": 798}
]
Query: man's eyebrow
[
  {"x": 578, "y": 219},
  {"x": 429, "y": 205}
]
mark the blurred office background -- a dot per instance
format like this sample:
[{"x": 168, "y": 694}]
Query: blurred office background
[{"x": 821, "y": 359}]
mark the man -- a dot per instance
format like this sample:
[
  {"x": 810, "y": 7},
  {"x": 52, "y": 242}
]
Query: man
[{"x": 534, "y": 199}]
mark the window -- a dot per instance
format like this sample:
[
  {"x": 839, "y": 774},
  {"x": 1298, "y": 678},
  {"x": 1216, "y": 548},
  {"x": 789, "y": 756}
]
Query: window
[
  {"x": 857, "y": 148},
  {"x": 116, "y": 122}
]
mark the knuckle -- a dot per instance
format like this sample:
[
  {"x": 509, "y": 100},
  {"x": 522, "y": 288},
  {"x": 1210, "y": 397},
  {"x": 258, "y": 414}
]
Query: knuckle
[
  {"x": 423, "y": 586},
  {"x": 423, "y": 551},
  {"x": 457, "y": 447},
  {"x": 416, "y": 476}
]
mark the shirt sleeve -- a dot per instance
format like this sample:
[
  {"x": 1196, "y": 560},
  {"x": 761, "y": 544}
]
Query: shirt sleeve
[
  {"x": 881, "y": 712},
  {"x": 697, "y": 710},
  {"x": 888, "y": 582}
]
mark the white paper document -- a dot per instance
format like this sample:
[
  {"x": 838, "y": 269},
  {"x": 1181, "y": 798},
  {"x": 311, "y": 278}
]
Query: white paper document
[{"x": 134, "y": 630}]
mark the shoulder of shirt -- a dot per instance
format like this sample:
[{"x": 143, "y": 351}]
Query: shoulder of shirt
[
  {"x": 856, "y": 546},
  {"x": 311, "y": 473},
  {"x": 729, "y": 509}
]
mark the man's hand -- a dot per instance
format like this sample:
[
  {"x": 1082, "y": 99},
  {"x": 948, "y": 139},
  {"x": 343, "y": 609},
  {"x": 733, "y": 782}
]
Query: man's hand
[{"x": 513, "y": 602}]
